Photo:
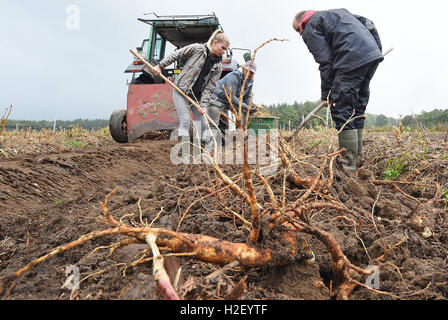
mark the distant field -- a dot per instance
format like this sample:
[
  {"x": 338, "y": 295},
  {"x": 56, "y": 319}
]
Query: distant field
[{"x": 23, "y": 142}]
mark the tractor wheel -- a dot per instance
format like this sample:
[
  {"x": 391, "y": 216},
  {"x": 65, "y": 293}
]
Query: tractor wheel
[{"x": 117, "y": 126}]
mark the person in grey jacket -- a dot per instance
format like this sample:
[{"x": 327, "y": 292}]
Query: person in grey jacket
[
  {"x": 219, "y": 103},
  {"x": 348, "y": 49},
  {"x": 198, "y": 79}
]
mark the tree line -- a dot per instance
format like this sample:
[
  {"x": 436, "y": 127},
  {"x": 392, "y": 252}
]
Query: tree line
[
  {"x": 289, "y": 114},
  {"x": 294, "y": 114},
  {"x": 88, "y": 124},
  {"x": 435, "y": 118}
]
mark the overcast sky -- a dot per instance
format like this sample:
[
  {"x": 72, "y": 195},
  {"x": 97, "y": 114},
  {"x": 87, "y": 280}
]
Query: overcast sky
[{"x": 48, "y": 71}]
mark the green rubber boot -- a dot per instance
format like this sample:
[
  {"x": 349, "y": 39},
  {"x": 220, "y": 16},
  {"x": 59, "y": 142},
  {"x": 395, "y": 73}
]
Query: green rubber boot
[
  {"x": 348, "y": 139},
  {"x": 360, "y": 135}
]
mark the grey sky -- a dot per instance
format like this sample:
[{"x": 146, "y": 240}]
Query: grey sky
[{"x": 48, "y": 71}]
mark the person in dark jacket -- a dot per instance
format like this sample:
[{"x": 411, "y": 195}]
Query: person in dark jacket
[
  {"x": 219, "y": 102},
  {"x": 348, "y": 49}
]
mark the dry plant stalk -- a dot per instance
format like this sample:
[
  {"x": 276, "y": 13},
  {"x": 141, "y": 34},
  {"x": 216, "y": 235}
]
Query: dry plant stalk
[
  {"x": 251, "y": 196},
  {"x": 5, "y": 119}
]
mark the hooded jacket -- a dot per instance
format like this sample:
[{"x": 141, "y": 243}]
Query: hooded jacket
[{"x": 341, "y": 41}]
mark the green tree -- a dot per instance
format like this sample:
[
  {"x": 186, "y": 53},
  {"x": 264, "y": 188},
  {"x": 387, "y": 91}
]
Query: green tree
[{"x": 382, "y": 121}]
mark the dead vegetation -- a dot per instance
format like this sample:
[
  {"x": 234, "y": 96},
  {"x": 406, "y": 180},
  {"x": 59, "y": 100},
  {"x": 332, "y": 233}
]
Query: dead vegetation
[
  {"x": 4, "y": 118},
  {"x": 27, "y": 141}
]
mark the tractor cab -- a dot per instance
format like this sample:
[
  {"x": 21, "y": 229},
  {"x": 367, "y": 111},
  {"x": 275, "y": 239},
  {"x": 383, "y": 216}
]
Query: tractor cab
[{"x": 150, "y": 105}]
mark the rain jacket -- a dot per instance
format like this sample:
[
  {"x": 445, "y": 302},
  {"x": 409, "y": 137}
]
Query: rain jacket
[
  {"x": 341, "y": 41},
  {"x": 235, "y": 81}
]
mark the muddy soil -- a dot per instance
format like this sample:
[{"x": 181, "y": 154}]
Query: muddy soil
[{"x": 50, "y": 199}]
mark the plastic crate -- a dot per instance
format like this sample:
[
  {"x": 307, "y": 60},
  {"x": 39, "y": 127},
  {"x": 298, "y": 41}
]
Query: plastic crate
[{"x": 264, "y": 123}]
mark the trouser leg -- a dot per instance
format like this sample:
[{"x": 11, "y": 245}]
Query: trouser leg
[
  {"x": 342, "y": 108},
  {"x": 350, "y": 95},
  {"x": 214, "y": 112},
  {"x": 349, "y": 98},
  {"x": 364, "y": 94},
  {"x": 183, "y": 110},
  {"x": 345, "y": 96},
  {"x": 200, "y": 124},
  {"x": 181, "y": 152},
  {"x": 363, "y": 101}
]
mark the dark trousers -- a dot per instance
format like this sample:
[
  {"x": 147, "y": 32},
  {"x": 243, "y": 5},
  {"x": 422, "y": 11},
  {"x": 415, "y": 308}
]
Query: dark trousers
[{"x": 350, "y": 93}]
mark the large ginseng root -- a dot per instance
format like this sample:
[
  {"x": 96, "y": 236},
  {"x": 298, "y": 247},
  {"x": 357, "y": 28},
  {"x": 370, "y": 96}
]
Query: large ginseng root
[{"x": 199, "y": 247}]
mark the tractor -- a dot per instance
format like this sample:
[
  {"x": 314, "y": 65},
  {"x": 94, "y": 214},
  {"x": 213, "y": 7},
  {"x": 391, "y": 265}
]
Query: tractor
[{"x": 150, "y": 105}]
